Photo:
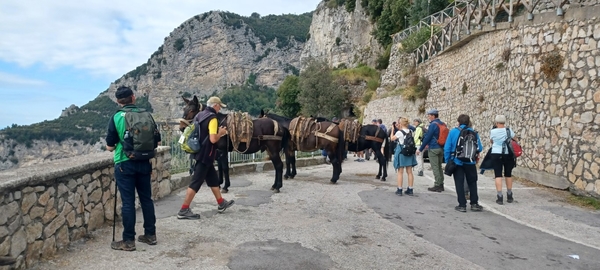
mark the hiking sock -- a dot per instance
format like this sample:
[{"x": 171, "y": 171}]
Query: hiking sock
[
  {"x": 499, "y": 193},
  {"x": 509, "y": 192},
  {"x": 220, "y": 201},
  {"x": 185, "y": 206}
]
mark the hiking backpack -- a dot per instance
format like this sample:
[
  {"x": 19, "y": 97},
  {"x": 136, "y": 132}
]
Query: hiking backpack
[
  {"x": 408, "y": 147},
  {"x": 514, "y": 148},
  {"x": 189, "y": 140},
  {"x": 467, "y": 145},
  {"x": 140, "y": 137},
  {"x": 443, "y": 134}
]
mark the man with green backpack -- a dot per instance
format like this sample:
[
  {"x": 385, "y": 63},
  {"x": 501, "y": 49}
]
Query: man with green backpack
[{"x": 133, "y": 136}]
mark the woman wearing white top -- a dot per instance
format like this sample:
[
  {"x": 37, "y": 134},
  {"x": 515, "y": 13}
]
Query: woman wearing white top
[
  {"x": 501, "y": 159},
  {"x": 401, "y": 161}
]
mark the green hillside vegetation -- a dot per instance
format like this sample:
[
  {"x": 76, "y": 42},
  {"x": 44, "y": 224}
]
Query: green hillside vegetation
[
  {"x": 88, "y": 124},
  {"x": 249, "y": 97},
  {"x": 271, "y": 27}
]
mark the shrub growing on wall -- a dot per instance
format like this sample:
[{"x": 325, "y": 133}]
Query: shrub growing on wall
[{"x": 551, "y": 65}]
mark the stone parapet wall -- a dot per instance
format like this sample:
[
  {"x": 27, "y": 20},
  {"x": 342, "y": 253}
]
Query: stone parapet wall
[
  {"x": 550, "y": 6},
  {"x": 45, "y": 207},
  {"x": 558, "y": 119}
]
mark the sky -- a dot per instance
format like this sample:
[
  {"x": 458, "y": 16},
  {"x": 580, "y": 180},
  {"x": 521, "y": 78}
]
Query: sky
[{"x": 57, "y": 53}]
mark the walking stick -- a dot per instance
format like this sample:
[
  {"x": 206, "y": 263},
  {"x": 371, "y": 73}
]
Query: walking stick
[{"x": 115, "y": 211}]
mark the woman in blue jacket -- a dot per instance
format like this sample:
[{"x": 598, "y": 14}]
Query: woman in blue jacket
[{"x": 464, "y": 169}]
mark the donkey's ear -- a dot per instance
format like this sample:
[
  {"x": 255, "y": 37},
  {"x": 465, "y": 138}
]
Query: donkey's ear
[
  {"x": 262, "y": 112},
  {"x": 196, "y": 99},
  {"x": 187, "y": 101}
]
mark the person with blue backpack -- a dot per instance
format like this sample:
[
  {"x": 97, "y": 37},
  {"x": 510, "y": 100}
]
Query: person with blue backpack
[{"x": 461, "y": 150}]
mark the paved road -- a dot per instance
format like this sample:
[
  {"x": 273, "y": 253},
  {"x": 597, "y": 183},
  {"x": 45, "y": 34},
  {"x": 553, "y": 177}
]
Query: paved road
[{"x": 356, "y": 224}]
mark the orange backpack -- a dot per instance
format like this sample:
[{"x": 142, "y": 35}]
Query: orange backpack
[{"x": 443, "y": 134}]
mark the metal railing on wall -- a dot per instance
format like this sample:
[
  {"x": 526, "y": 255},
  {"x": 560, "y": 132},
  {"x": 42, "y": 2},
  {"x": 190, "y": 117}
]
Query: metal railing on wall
[{"x": 180, "y": 160}]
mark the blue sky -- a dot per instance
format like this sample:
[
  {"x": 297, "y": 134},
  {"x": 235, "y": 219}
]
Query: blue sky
[{"x": 57, "y": 53}]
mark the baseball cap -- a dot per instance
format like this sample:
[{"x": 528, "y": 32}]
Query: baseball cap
[
  {"x": 216, "y": 100},
  {"x": 433, "y": 111}
]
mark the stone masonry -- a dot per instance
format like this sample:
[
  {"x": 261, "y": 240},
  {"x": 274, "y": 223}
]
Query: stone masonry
[
  {"x": 44, "y": 208},
  {"x": 501, "y": 72}
]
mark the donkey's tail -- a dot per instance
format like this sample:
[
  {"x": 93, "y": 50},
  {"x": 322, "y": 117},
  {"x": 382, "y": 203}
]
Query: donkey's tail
[
  {"x": 285, "y": 140},
  {"x": 341, "y": 146}
]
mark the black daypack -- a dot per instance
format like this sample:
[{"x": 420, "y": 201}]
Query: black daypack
[
  {"x": 467, "y": 145},
  {"x": 408, "y": 147},
  {"x": 140, "y": 139}
]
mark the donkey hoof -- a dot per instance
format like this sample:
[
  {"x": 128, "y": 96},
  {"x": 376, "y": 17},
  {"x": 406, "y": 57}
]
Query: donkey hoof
[
  {"x": 272, "y": 188},
  {"x": 333, "y": 182},
  {"x": 286, "y": 176},
  {"x": 377, "y": 177},
  {"x": 292, "y": 176},
  {"x": 275, "y": 190},
  {"x": 224, "y": 190},
  {"x": 383, "y": 179}
]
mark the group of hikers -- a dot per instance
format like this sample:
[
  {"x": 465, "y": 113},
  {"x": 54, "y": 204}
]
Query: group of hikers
[
  {"x": 460, "y": 148},
  {"x": 133, "y": 136}
]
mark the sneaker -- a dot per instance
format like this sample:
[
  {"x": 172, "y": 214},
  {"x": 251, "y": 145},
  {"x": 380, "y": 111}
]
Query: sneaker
[
  {"x": 499, "y": 200},
  {"x": 187, "y": 214},
  {"x": 399, "y": 192},
  {"x": 123, "y": 245},
  {"x": 420, "y": 173},
  {"x": 224, "y": 205},
  {"x": 509, "y": 198},
  {"x": 409, "y": 191},
  {"x": 147, "y": 239},
  {"x": 461, "y": 209},
  {"x": 436, "y": 189},
  {"x": 476, "y": 207}
]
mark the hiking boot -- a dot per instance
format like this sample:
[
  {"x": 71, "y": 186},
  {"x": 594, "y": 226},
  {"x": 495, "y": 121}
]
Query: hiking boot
[
  {"x": 476, "y": 207},
  {"x": 499, "y": 200},
  {"x": 147, "y": 239},
  {"x": 409, "y": 191},
  {"x": 420, "y": 173},
  {"x": 436, "y": 188},
  {"x": 509, "y": 198},
  {"x": 461, "y": 209},
  {"x": 224, "y": 205},
  {"x": 5, "y": 260},
  {"x": 123, "y": 245},
  {"x": 399, "y": 192},
  {"x": 187, "y": 214}
]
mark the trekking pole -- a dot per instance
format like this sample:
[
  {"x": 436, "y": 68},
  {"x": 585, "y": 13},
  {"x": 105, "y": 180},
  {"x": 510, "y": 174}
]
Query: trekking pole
[{"x": 115, "y": 211}]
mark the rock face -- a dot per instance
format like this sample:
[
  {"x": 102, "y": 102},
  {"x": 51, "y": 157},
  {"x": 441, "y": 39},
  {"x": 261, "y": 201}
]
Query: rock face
[
  {"x": 342, "y": 37},
  {"x": 205, "y": 55}
]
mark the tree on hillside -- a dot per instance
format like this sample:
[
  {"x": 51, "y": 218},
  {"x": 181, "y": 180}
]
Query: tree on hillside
[
  {"x": 287, "y": 96},
  {"x": 320, "y": 94},
  {"x": 249, "y": 97}
]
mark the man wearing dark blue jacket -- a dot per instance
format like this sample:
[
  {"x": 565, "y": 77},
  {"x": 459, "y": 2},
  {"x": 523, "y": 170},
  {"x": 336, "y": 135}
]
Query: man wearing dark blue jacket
[
  {"x": 464, "y": 169},
  {"x": 436, "y": 153}
]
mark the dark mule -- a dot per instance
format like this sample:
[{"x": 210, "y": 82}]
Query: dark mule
[
  {"x": 321, "y": 135},
  {"x": 372, "y": 137},
  {"x": 193, "y": 107},
  {"x": 266, "y": 136}
]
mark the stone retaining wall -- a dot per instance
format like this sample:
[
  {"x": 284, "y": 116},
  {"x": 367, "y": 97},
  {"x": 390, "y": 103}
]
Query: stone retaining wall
[
  {"x": 45, "y": 207},
  {"x": 558, "y": 119}
]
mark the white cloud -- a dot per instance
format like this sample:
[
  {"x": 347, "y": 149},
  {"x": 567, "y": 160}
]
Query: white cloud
[
  {"x": 15, "y": 81},
  {"x": 107, "y": 38}
]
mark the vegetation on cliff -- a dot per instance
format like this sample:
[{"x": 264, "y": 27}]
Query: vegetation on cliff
[
  {"x": 249, "y": 97},
  {"x": 87, "y": 124},
  {"x": 272, "y": 27}
]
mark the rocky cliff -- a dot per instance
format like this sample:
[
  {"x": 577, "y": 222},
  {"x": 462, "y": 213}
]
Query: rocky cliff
[
  {"x": 206, "y": 55},
  {"x": 342, "y": 37}
]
